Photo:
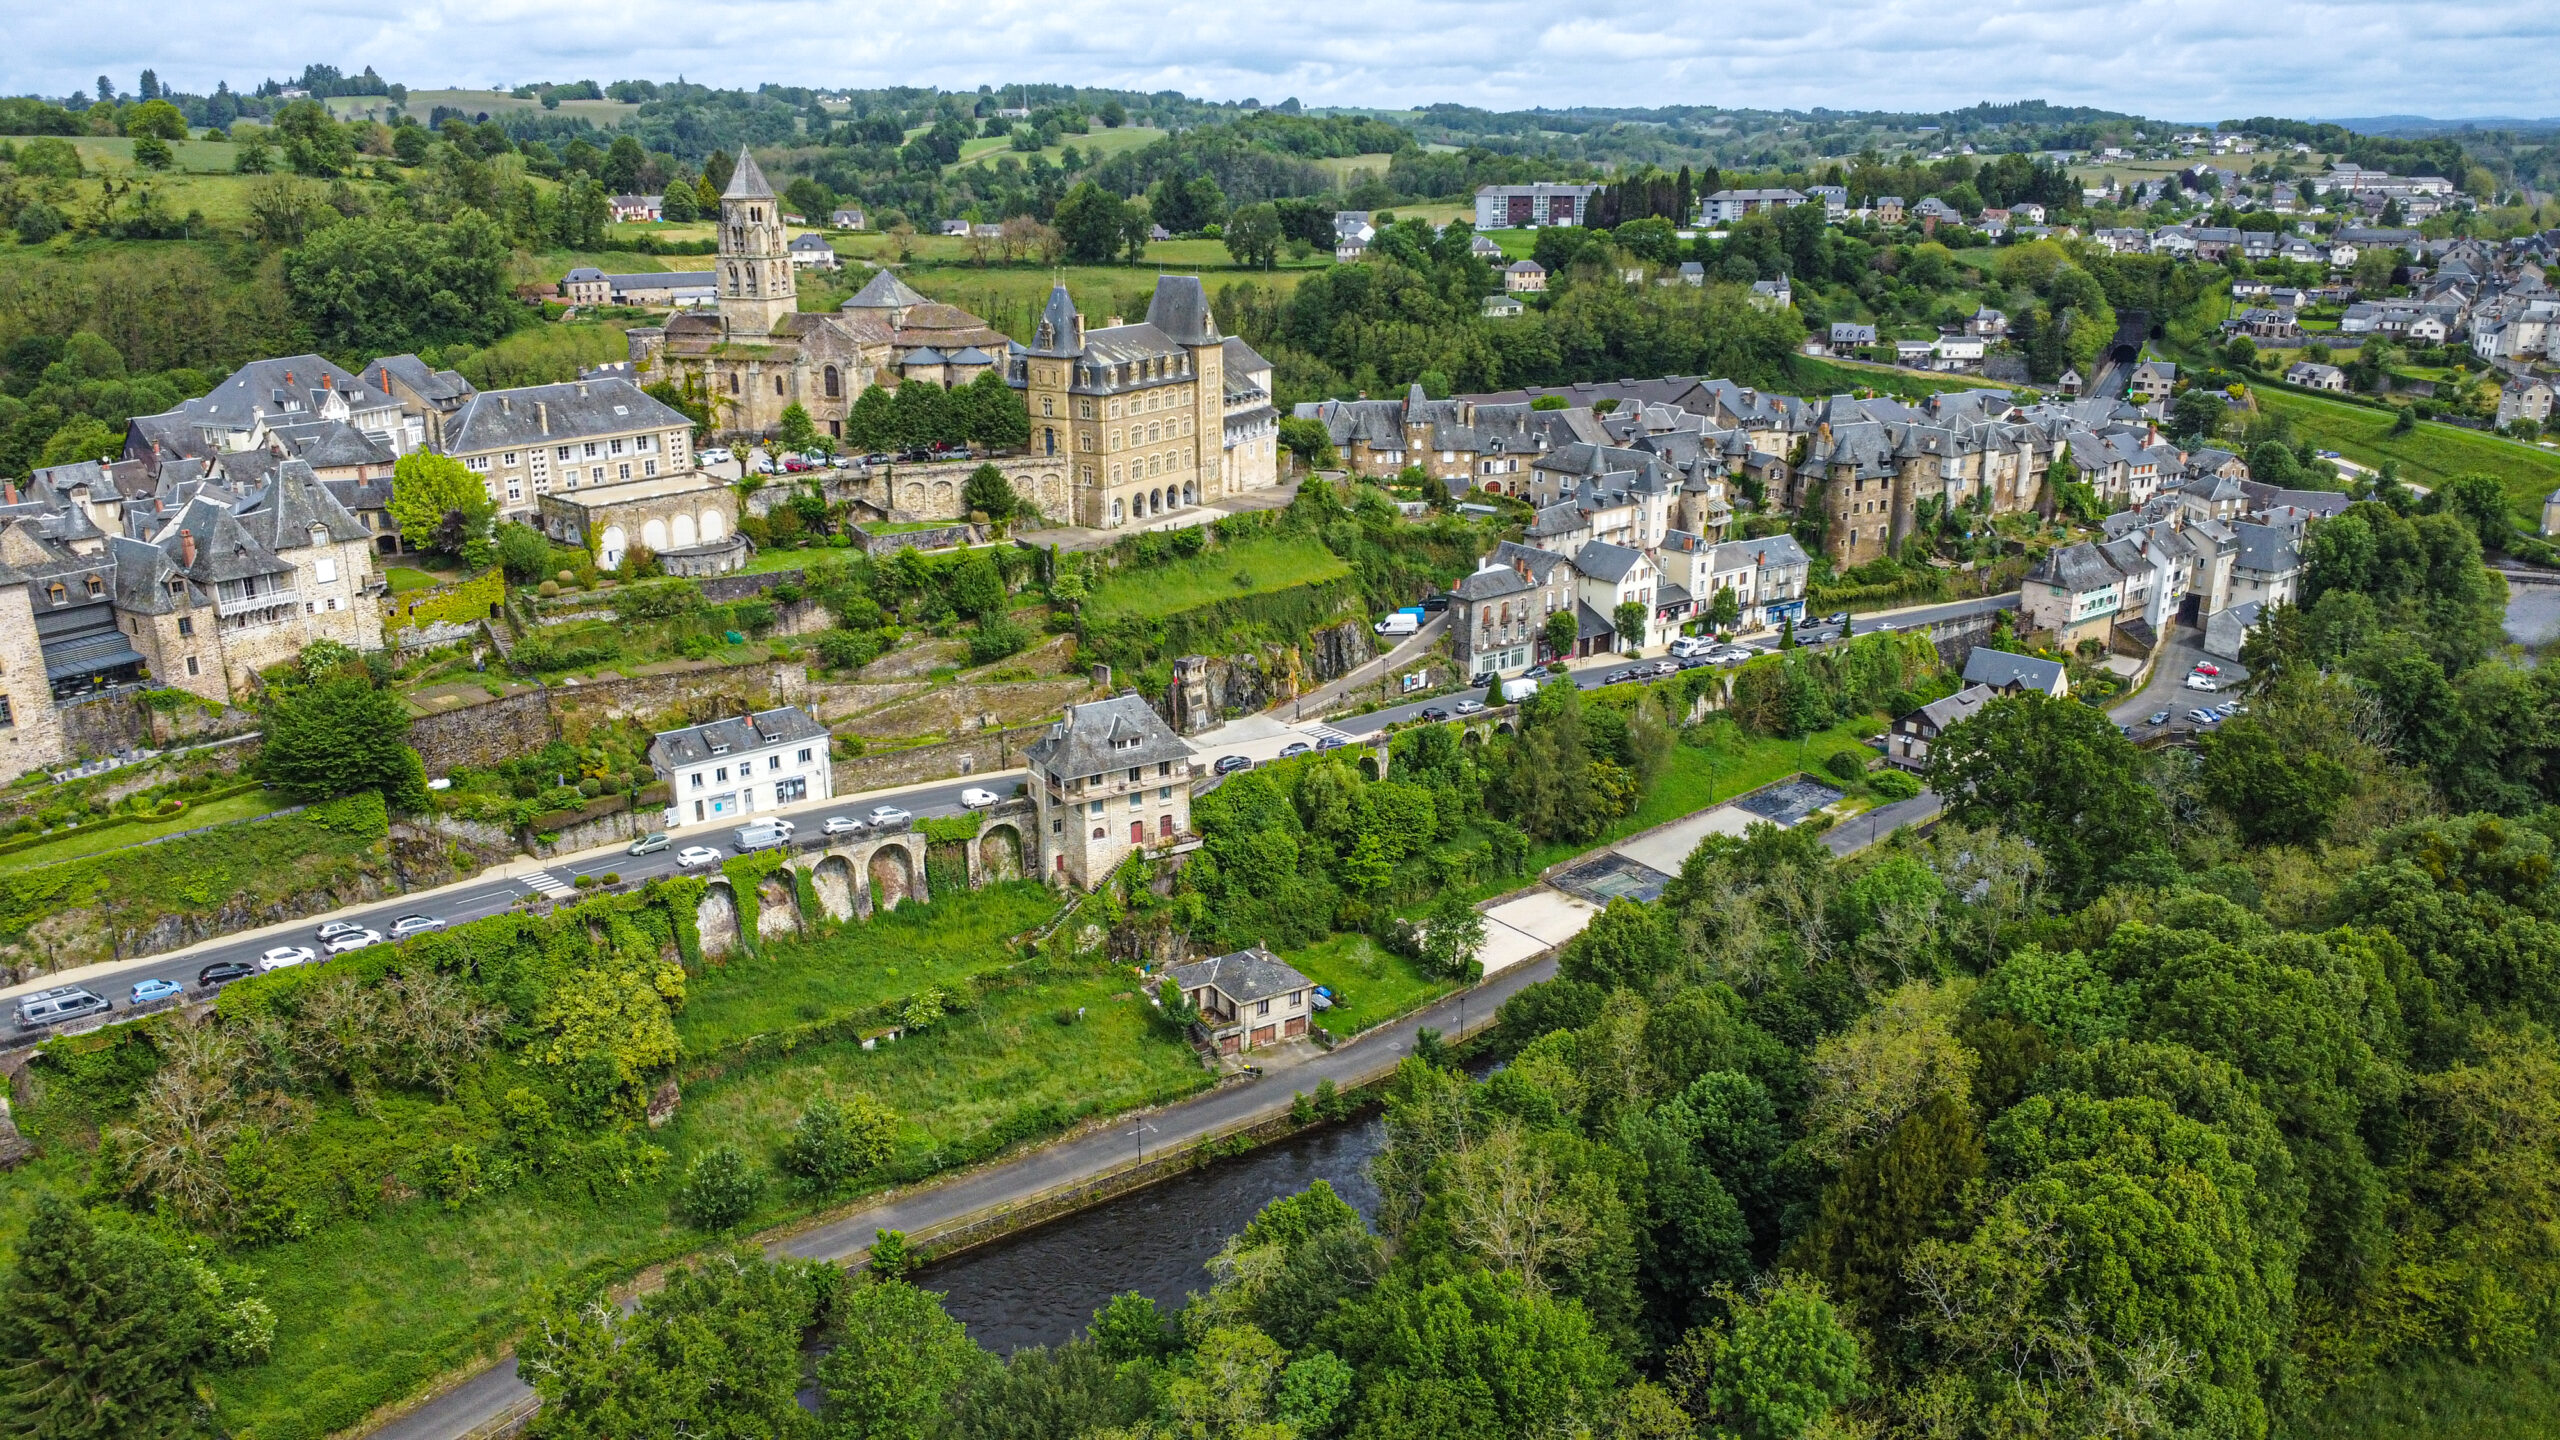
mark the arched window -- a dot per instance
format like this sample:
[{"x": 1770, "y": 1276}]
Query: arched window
[
  {"x": 733, "y": 382},
  {"x": 777, "y": 384},
  {"x": 835, "y": 383}
]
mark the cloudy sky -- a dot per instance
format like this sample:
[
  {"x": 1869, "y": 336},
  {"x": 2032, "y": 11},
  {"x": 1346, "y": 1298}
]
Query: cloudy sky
[{"x": 2172, "y": 59}]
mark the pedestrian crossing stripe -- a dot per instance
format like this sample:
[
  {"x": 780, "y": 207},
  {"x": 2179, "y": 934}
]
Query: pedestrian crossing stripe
[{"x": 548, "y": 885}]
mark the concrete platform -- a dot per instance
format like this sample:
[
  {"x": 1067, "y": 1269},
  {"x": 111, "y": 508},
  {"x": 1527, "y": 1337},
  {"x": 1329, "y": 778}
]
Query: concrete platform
[
  {"x": 1518, "y": 929},
  {"x": 1668, "y": 848}
]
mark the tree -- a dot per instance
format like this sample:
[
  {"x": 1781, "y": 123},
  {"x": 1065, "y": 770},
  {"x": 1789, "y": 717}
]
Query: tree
[
  {"x": 2197, "y": 416},
  {"x": 894, "y": 1360},
  {"x": 837, "y": 1143},
  {"x": 437, "y": 503},
  {"x": 152, "y": 153},
  {"x": 1725, "y": 611},
  {"x": 381, "y": 285},
  {"x": 157, "y": 119},
  {"x": 680, "y": 204},
  {"x": 2482, "y": 501},
  {"x": 797, "y": 432},
  {"x": 314, "y": 144},
  {"x": 1253, "y": 234},
  {"x": 988, "y": 493},
  {"x": 1560, "y": 633},
  {"x": 872, "y": 425},
  {"x": 1630, "y": 616},
  {"x": 1783, "y": 1361},
  {"x": 100, "y": 1335},
  {"x": 1092, "y": 222},
  {"x": 1452, "y": 934},
  {"x": 720, "y": 1190},
  {"x": 85, "y": 437},
  {"x": 523, "y": 553},
  {"x": 2059, "y": 774},
  {"x": 716, "y": 1352},
  {"x": 1476, "y": 1356},
  {"x": 337, "y": 737},
  {"x": 977, "y": 586}
]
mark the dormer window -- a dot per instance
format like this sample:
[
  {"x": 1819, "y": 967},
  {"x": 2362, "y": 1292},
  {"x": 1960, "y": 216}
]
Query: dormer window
[{"x": 97, "y": 587}]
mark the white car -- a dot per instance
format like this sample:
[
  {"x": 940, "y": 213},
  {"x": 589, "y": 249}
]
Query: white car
[
  {"x": 2205, "y": 683},
  {"x": 842, "y": 825},
  {"x": 884, "y": 815},
  {"x": 974, "y": 798},
  {"x": 284, "y": 955},
  {"x": 693, "y": 855},
  {"x": 781, "y": 825},
  {"x": 1469, "y": 707},
  {"x": 356, "y": 941}
]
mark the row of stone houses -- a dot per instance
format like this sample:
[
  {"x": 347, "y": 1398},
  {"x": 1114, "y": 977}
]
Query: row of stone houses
[{"x": 2215, "y": 550}]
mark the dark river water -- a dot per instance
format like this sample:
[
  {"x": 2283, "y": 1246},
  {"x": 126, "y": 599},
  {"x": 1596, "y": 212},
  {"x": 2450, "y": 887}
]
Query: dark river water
[{"x": 1041, "y": 1287}]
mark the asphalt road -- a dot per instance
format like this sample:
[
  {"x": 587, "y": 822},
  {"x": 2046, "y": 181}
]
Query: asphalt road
[
  {"x": 2167, "y": 690},
  {"x": 476, "y": 898}
]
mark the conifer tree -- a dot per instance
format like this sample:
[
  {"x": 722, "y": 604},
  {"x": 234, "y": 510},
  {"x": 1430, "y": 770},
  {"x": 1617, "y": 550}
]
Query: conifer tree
[{"x": 99, "y": 1334}]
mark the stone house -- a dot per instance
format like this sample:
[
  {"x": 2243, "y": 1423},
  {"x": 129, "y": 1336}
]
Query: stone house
[
  {"x": 526, "y": 442},
  {"x": 1524, "y": 277},
  {"x": 1906, "y": 745},
  {"x": 1109, "y": 778},
  {"x": 723, "y": 771},
  {"x": 688, "y": 521}
]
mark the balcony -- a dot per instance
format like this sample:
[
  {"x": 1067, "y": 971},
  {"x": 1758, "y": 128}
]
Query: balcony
[{"x": 263, "y": 600}]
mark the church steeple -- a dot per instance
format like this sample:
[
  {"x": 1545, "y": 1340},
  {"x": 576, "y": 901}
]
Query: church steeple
[{"x": 757, "y": 289}]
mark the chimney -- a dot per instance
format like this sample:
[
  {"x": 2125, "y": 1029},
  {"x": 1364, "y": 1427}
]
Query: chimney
[
  {"x": 505, "y": 405},
  {"x": 13, "y": 492},
  {"x": 187, "y": 549},
  {"x": 582, "y": 389},
  {"x": 288, "y": 377},
  {"x": 542, "y": 413}
]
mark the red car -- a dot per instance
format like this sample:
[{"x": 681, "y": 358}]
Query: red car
[
  {"x": 2206, "y": 667},
  {"x": 795, "y": 464}
]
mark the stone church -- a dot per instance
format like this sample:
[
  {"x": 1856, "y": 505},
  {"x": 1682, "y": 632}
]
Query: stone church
[{"x": 758, "y": 352}]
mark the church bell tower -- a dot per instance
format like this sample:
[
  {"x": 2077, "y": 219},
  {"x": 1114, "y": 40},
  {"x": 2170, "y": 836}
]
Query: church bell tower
[{"x": 756, "y": 286}]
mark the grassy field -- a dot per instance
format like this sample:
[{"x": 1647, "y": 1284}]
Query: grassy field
[
  {"x": 2443, "y": 1400},
  {"x": 797, "y": 982},
  {"x": 2428, "y": 455},
  {"x": 367, "y": 1312},
  {"x": 1831, "y": 377},
  {"x": 195, "y": 817},
  {"x": 545, "y": 354},
  {"x": 1371, "y": 985},
  {"x": 114, "y": 152},
  {"x": 1101, "y": 142},
  {"x": 402, "y": 579},
  {"x": 1268, "y": 562},
  {"x": 422, "y": 103}
]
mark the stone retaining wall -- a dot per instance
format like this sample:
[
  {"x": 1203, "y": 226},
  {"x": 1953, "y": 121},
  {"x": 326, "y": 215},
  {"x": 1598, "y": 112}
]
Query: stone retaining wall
[
  {"x": 500, "y": 729},
  {"x": 975, "y": 755}
]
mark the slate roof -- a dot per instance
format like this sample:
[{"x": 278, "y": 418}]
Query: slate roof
[
  {"x": 884, "y": 291},
  {"x": 295, "y": 504},
  {"x": 1083, "y": 743},
  {"x": 1603, "y": 561},
  {"x": 1180, "y": 311},
  {"x": 1246, "y": 975},
  {"x": 747, "y": 182},
  {"x": 1999, "y": 668},
  {"x": 1937, "y": 715},
  {"x": 763, "y": 730},
  {"x": 2075, "y": 568},
  {"x": 2268, "y": 549},
  {"x": 1491, "y": 584},
  {"x": 429, "y": 384},
  {"x": 573, "y": 409}
]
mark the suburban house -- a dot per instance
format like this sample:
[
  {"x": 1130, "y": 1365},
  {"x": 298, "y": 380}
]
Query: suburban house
[
  {"x": 2016, "y": 674},
  {"x": 2268, "y": 566},
  {"x": 1906, "y": 745},
  {"x": 1849, "y": 336},
  {"x": 723, "y": 771},
  {"x": 1108, "y": 779},
  {"x": 810, "y": 251},
  {"x": 2152, "y": 380},
  {"x": 846, "y": 217},
  {"x": 2524, "y": 398},
  {"x": 2311, "y": 375},
  {"x": 631, "y": 209},
  {"x": 1522, "y": 277},
  {"x": 1503, "y": 307},
  {"x": 2072, "y": 592},
  {"x": 1246, "y": 1000},
  {"x": 1730, "y": 205},
  {"x": 1498, "y": 614},
  {"x": 523, "y": 442}
]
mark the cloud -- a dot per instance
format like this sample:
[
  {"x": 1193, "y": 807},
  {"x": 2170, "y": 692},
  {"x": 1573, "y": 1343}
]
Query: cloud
[{"x": 2173, "y": 59}]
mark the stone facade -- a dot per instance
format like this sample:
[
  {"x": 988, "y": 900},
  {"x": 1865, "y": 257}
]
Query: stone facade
[
  {"x": 678, "y": 518},
  {"x": 931, "y": 490},
  {"x": 1109, "y": 778}
]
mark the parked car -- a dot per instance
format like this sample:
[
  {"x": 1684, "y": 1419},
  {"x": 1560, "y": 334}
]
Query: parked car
[
  {"x": 1664, "y": 667},
  {"x": 842, "y": 825},
  {"x": 1230, "y": 764},
  {"x": 147, "y": 991},
  {"x": 336, "y": 928},
  {"x": 223, "y": 972},
  {"x": 693, "y": 855},
  {"x": 759, "y": 835},
  {"x": 976, "y": 798},
  {"x": 357, "y": 941},
  {"x": 1470, "y": 707},
  {"x": 875, "y": 458},
  {"x": 1434, "y": 604},
  {"x": 786, "y": 827},
  {"x": 1688, "y": 645},
  {"x": 284, "y": 955},
  {"x": 651, "y": 843},
  {"x": 2234, "y": 708},
  {"x": 1621, "y": 677},
  {"x": 2157, "y": 717},
  {"x": 2206, "y": 667},
  {"x": 408, "y": 925},
  {"x": 2202, "y": 717},
  {"x": 2205, "y": 683},
  {"x": 884, "y": 816},
  {"x": 52, "y": 1007},
  {"x": 1836, "y": 617},
  {"x": 793, "y": 464},
  {"x": 1482, "y": 678},
  {"x": 1331, "y": 742},
  {"x": 1434, "y": 712},
  {"x": 1295, "y": 747}
]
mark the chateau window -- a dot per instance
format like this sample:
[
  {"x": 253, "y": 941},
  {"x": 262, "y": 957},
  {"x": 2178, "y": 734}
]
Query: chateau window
[
  {"x": 562, "y": 452},
  {"x": 1084, "y": 409},
  {"x": 191, "y": 669},
  {"x": 733, "y": 389},
  {"x": 777, "y": 387},
  {"x": 186, "y": 625},
  {"x": 96, "y": 587},
  {"x": 835, "y": 383},
  {"x": 1048, "y": 406},
  {"x": 57, "y": 594}
]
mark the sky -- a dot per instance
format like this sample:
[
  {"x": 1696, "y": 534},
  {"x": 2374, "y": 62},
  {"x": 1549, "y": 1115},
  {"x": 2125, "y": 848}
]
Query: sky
[{"x": 2185, "y": 60}]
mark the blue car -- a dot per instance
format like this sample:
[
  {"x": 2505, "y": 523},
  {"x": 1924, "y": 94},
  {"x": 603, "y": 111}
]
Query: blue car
[{"x": 150, "y": 990}]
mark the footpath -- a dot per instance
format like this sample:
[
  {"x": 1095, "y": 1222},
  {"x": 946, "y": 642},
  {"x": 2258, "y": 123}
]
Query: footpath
[{"x": 1133, "y": 1150}]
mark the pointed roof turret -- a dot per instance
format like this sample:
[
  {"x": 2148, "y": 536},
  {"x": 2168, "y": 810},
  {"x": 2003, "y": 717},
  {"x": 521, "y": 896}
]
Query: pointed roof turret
[
  {"x": 1058, "y": 333},
  {"x": 747, "y": 182},
  {"x": 1181, "y": 310}
]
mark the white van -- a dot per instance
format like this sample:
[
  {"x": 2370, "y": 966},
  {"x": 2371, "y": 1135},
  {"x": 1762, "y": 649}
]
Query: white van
[
  {"x": 1399, "y": 623},
  {"x": 52, "y": 1007},
  {"x": 760, "y": 835}
]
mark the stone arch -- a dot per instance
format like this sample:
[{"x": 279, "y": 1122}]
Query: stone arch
[
  {"x": 683, "y": 532},
  {"x": 1471, "y": 737},
  {"x": 715, "y": 920},
  {"x": 833, "y": 883},
  {"x": 1504, "y": 728},
  {"x": 942, "y": 494},
  {"x": 893, "y": 877},
  {"x": 915, "y": 494},
  {"x": 1000, "y": 854},
  {"x": 777, "y": 905},
  {"x": 609, "y": 549},
  {"x": 1369, "y": 767},
  {"x": 653, "y": 533},
  {"x": 714, "y": 525}
]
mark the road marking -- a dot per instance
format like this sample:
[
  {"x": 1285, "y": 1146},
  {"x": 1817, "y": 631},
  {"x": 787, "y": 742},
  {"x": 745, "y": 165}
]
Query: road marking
[{"x": 548, "y": 886}]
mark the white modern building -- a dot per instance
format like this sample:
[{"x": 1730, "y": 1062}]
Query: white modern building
[{"x": 729, "y": 769}]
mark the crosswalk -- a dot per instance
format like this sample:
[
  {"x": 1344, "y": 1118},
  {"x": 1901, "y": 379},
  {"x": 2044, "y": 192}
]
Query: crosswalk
[
  {"x": 549, "y": 886},
  {"x": 1320, "y": 733}
]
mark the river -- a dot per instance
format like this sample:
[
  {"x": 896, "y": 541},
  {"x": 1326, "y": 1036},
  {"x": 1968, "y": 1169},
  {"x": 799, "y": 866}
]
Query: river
[{"x": 1041, "y": 1287}]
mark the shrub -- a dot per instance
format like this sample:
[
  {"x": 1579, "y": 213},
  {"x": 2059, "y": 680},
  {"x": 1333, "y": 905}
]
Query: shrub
[
  {"x": 836, "y": 1144},
  {"x": 1846, "y": 765},
  {"x": 1894, "y": 784},
  {"x": 721, "y": 1188}
]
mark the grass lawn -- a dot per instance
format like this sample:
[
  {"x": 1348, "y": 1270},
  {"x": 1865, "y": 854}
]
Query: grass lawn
[
  {"x": 117, "y": 837},
  {"x": 1102, "y": 141},
  {"x": 1832, "y": 377},
  {"x": 1371, "y": 985},
  {"x": 368, "y": 1312},
  {"x": 2442, "y": 1399},
  {"x": 402, "y": 579},
  {"x": 1010, "y": 297},
  {"x": 1269, "y": 562},
  {"x": 421, "y": 103},
  {"x": 797, "y": 982},
  {"x": 115, "y": 152},
  {"x": 2428, "y": 455}
]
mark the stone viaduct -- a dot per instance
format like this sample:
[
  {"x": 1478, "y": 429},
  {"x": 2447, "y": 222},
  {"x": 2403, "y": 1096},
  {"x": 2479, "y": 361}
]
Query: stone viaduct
[{"x": 856, "y": 877}]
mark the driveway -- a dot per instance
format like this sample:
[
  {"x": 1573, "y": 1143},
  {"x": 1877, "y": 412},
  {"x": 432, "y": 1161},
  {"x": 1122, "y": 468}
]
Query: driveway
[{"x": 2167, "y": 688}]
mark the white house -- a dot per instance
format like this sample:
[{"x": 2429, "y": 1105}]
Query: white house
[{"x": 729, "y": 769}]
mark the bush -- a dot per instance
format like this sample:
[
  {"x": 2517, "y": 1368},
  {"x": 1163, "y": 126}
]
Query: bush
[
  {"x": 835, "y": 1144},
  {"x": 1847, "y": 766},
  {"x": 721, "y": 1188},
  {"x": 997, "y": 637},
  {"x": 1894, "y": 784}
]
